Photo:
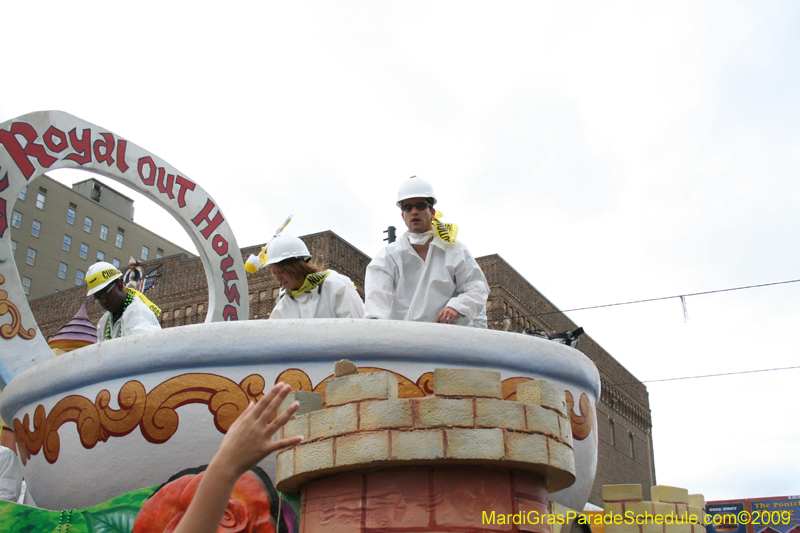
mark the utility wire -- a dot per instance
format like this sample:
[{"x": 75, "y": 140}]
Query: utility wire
[
  {"x": 653, "y": 299},
  {"x": 682, "y": 296},
  {"x": 703, "y": 376},
  {"x": 711, "y": 375}
]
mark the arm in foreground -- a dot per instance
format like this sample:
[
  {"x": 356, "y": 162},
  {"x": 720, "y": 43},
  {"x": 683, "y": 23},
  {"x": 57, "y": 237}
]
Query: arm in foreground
[
  {"x": 248, "y": 441},
  {"x": 347, "y": 303},
  {"x": 380, "y": 286},
  {"x": 472, "y": 290}
]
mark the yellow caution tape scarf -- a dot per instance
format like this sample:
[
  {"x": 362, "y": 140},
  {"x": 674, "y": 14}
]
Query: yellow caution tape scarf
[
  {"x": 150, "y": 305},
  {"x": 312, "y": 280},
  {"x": 446, "y": 231}
]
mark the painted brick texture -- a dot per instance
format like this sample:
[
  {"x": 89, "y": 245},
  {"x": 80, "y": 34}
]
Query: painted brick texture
[
  {"x": 424, "y": 500},
  {"x": 395, "y": 432},
  {"x": 670, "y": 504}
]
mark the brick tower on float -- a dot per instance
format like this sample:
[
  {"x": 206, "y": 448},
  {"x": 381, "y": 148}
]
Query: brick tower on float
[{"x": 454, "y": 461}]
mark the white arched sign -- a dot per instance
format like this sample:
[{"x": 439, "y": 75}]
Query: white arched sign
[{"x": 35, "y": 143}]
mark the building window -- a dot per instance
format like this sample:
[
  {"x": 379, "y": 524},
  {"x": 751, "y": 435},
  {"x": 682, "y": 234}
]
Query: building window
[
  {"x": 14, "y": 248},
  {"x": 36, "y": 227},
  {"x": 84, "y": 250},
  {"x": 630, "y": 437},
  {"x": 115, "y": 262},
  {"x": 101, "y": 256},
  {"x": 31, "y": 256},
  {"x": 79, "y": 277},
  {"x": 87, "y": 224},
  {"x": 23, "y": 193},
  {"x": 159, "y": 253},
  {"x": 26, "y": 286},
  {"x": 65, "y": 244},
  {"x": 16, "y": 219},
  {"x": 145, "y": 251},
  {"x": 118, "y": 244},
  {"x": 103, "y": 232},
  {"x": 70, "y": 216},
  {"x": 40, "y": 199},
  {"x": 62, "y": 270},
  {"x": 611, "y": 432}
]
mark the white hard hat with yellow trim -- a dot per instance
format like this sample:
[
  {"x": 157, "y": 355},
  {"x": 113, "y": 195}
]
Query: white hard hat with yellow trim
[
  {"x": 415, "y": 187},
  {"x": 100, "y": 275}
]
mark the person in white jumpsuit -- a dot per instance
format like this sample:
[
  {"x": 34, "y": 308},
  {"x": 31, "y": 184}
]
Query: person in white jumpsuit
[
  {"x": 421, "y": 277},
  {"x": 10, "y": 475},
  {"x": 127, "y": 310},
  {"x": 307, "y": 291}
]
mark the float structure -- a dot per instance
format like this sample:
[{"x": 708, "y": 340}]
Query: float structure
[{"x": 445, "y": 402}]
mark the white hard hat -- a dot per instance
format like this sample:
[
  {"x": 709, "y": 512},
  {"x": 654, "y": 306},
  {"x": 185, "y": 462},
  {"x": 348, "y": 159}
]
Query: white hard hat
[
  {"x": 100, "y": 275},
  {"x": 415, "y": 187},
  {"x": 285, "y": 247}
]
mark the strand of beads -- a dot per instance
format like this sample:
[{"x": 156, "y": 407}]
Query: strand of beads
[
  {"x": 128, "y": 300},
  {"x": 64, "y": 520}
]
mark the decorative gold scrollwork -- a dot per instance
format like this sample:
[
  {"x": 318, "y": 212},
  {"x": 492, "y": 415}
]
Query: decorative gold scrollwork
[
  {"x": 32, "y": 441},
  {"x": 225, "y": 400},
  {"x": 581, "y": 424},
  {"x": 253, "y": 387},
  {"x": 425, "y": 384},
  {"x": 118, "y": 423},
  {"x": 154, "y": 413},
  {"x": 7, "y": 307}
]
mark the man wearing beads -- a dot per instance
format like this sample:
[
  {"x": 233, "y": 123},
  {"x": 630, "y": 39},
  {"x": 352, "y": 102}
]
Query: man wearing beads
[{"x": 127, "y": 310}]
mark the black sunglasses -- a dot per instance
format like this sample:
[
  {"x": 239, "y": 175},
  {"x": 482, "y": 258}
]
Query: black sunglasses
[
  {"x": 103, "y": 294},
  {"x": 421, "y": 206}
]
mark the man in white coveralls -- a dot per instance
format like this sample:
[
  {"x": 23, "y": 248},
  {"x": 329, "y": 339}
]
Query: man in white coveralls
[
  {"x": 426, "y": 275},
  {"x": 10, "y": 475},
  {"x": 128, "y": 311}
]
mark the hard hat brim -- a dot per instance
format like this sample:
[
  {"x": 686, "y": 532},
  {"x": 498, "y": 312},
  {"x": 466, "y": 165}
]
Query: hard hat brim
[
  {"x": 431, "y": 198},
  {"x": 282, "y": 259},
  {"x": 104, "y": 285}
]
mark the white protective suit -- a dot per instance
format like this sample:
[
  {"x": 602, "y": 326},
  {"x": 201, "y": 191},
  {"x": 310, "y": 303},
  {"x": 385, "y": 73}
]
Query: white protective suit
[
  {"x": 10, "y": 475},
  {"x": 136, "y": 318},
  {"x": 401, "y": 286},
  {"x": 336, "y": 297}
]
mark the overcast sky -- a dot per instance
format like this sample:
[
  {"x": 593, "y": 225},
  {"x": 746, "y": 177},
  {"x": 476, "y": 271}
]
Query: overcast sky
[{"x": 608, "y": 151}]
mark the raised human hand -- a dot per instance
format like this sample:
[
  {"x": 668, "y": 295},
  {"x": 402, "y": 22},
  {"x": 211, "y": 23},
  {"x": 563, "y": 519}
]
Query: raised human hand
[
  {"x": 247, "y": 442},
  {"x": 249, "y": 439}
]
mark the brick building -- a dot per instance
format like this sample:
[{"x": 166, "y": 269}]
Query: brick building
[
  {"x": 625, "y": 451},
  {"x": 625, "y": 447}
]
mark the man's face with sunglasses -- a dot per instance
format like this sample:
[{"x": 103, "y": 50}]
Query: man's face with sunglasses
[
  {"x": 417, "y": 214},
  {"x": 112, "y": 297}
]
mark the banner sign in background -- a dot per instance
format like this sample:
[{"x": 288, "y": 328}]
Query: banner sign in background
[{"x": 757, "y": 515}]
